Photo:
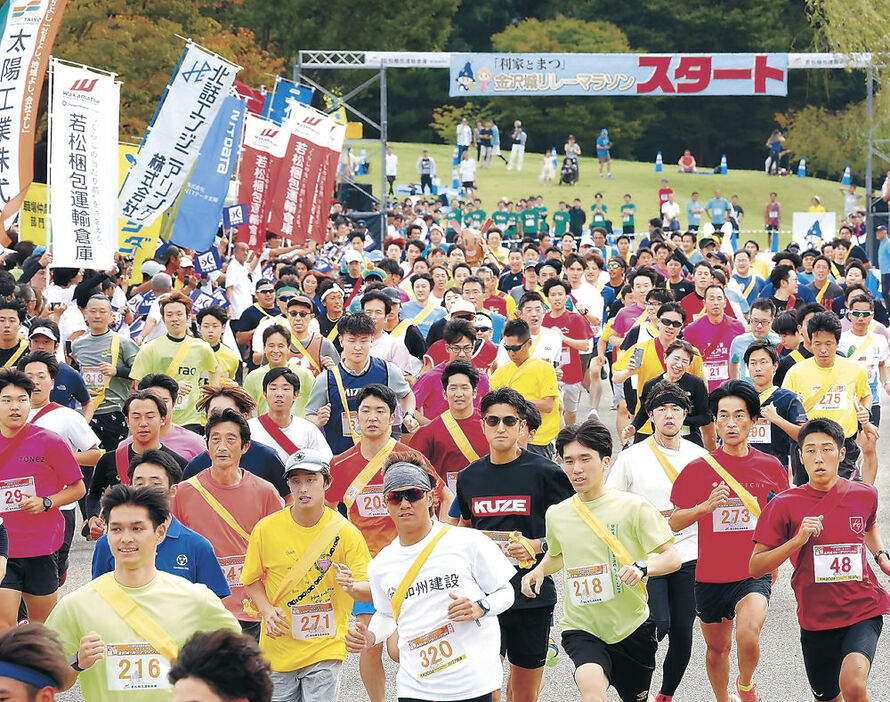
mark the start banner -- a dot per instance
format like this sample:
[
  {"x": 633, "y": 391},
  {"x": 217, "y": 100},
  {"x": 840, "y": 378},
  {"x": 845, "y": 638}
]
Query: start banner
[
  {"x": 84, "y": 110},
  {"x": 618, "y": 74}
]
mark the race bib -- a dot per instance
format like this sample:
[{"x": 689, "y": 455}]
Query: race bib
[
  {"x": 502, "y": 539},
  {"x": 135, "y": 666},
  {"x": 565, "y": 357},
  {"x": 871, "y": 371},
  {"x": 436, "y": 651},
  {"x": 312, "y": 621},
  {"x": 716, "y": 371},
  {"x": 837, "y": 563},
  {"x": 733, "y": 517},
  {"x": 181, "y": 402},
  {"x": 370, "y": 502},
  {"x": 344, "y": 418},
  {"x": 231, "y": 568},
  {"x": 761, "y": 432},
  {"x": 774, "y": 214},
  {"x": 13, "y": 491},
  {"x": 590, "y": 584},
  {"x": 834, "y": 399},
  {"x": 666, "y": 513},
  {"x": 94, "y": 379},
  {"x": 451, "y": 479}
]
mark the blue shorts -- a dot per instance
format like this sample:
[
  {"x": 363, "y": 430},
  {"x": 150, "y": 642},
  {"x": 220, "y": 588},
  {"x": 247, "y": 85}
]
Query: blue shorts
[{"x": 363, "y": 608}]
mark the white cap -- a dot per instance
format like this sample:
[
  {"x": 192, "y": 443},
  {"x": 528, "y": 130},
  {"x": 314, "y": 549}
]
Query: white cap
[
  {"x": 585, "y": 241},
  {"x": 462, "y": 306},
  {"x": 352, "y": 255}
]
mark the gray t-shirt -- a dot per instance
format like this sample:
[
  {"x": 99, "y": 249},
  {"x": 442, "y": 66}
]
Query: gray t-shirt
[{"x": 89, "y": 351}]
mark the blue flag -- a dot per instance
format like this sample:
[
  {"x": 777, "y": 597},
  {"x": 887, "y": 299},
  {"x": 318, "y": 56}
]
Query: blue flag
[
  {"x": 286, "y": 95},
  {"x": 207, "y": 262},
  {"x": 200, "y": 207}
]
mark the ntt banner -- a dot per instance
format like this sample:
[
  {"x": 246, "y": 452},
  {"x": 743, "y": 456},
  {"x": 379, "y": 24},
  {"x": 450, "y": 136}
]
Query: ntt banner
[
  {"x": 83, "y": 167},
  {"x": 474, "y": 75}
]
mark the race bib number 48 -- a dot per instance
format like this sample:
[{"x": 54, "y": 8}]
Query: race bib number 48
[
  {"x": 836, "y": 563},
  {"x": 135, "y": 666},
  {"x": 733, "y": 517},
  {"x": 590, "y": 585},
  {"x": 13, "y": 491}
]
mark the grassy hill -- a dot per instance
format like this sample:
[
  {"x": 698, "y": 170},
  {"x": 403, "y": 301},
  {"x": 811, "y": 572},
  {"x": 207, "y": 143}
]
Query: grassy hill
[{"x": 637, "y": 178}]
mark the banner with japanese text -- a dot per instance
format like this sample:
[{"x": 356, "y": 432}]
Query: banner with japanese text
[
  {"x": 284, "y": 97},
  {"x": 33, "y": 220},
  {"x": 173, "y": 141},
  {"x": 304, "y": 186},
  {"x": 618, "y": 74},
  {"x": 265, "y": 144},
  {"x": 133, "y": 239},
  {"x": 29, "y": 29},
  {"x": 84, "y": 110},
  {"x": 198, "y": 211},
  {"x": 256, "y": 99}
]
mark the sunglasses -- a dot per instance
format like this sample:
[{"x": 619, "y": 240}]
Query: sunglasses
[
  {"x": 265, "y": 292},
  {"x": 671, "y": 322},
  {"x": 286, "y": 298},
  {"x": 483, "y": 329},
  {"x": 509, "y": 421},
  {"x": 861, "y": 313},
  {"x": 300, "y": 313},
  {"x": 395, "y": 497},
  {"x": 613, "y": 266},
  {"x": 515, "y": 348}
]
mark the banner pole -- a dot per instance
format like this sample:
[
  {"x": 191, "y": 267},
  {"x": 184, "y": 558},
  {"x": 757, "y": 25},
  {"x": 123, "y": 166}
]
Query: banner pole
[{"x": 51, "y": 70}]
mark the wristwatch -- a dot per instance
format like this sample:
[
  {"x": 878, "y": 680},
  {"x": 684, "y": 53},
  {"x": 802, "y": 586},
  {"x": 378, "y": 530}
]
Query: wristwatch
[
  {"x": 643, "y": 567},
  {"x": 47, "y": 504},
  {"x": 486, "y": 608},
  {"x": 544, "y": 545},
  {"x": 880, "y": 553},
  {"x": 73, "y": 662}
]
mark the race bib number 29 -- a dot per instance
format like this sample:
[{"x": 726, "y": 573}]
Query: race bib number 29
[{"x": 13, "y": 491}]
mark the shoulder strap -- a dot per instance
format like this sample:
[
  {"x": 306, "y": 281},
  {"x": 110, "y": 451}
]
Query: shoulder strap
[
  {"x": 184, "y": 347},
  {"x": 796, "y": 355},
  {"x": 822, "y": 291},
  {"x": 750, "y": 285},
  {"x": 666, "y": 465},
  {"x": 460, "y": 438},
  {"x": 304, "y": 352},
  {"x": 747, "y": 498},
  {"x": 364, "y": 477},
  {"x": 10, "y": 362},
  {"x": 122, "y": 464},
  {"x": 402, "y": 590},
  {"x": 604, "y": 535},
  {"x": 215, "y": 505},
  {"x": 115, "y": 352},
  {"x": 134, "y": 616},
  {"x": 400, "y": 329},
  {"x": 273, "y": 430},
  {"x": 423, "y": 314},
  {"x": 814, "y": 399},
  {"x": 45, "y": 410},
  {"x": 335, "y": 371}
]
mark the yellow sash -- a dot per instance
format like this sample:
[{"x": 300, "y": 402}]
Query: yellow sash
[
  {"x": 639, "y": 319},
  {"x": 399, "y": 597},
  {"x": 768, "y": 393},
  {"x": 460, "y": 438},
  {"x": 750, "y": 286},
  {"x": 263, "y": 311},
  {"x": 335, "y": 371},
  {"x": 822, "y": 291},
  {"x": 796, "y": 355},
  {"x": 815, "y": 398},
  {"x": 303, "y": 352},
  {"x": 861, "y": 348},
  {"x": 115, "y": 350},
  {"x": 607, "y": 537},
  {"x": 747, "y": 498},
  {"x": 302, "y": 565},
  {"x": 362, "y": 479},
  {"x": 400, "y": 328},
  {"x": 214, "y": 504},
  {"x": 423, "y": 314},
  {"x": 666, "y": 466},
  {"x": 133, "y": 615},
  {"x": 23, "y": 346},
  {"x": 333, "y": 334},
  {"x": 184, "y": 347}
]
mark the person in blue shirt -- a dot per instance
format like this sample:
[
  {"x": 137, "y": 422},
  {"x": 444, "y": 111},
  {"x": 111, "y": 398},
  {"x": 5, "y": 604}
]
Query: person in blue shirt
[
  {"x": 717, "y": 209},
  {"x": 750, "y": 283},
  {"x": 259, "y": 459},
  {"x": 69, "y": 387},
  {"x": 884, "y": 261},
  {"x": 183, "y": 552},
  {"x": 694, "y": 212},
  {"x": 604, "y": 152}
]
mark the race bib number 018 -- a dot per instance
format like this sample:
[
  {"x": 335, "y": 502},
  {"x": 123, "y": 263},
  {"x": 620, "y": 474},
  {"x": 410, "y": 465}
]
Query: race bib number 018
[
  {"x": 135, "y": 666},
  {"x": 590, "y": 585},
  {"x": 13, "y": 491},
  {"x": 312, "y": 621},
  {"x": 436, "y": 651},
  {"x": 837, "y": 563},
  {"x": 733, "y": 517}
]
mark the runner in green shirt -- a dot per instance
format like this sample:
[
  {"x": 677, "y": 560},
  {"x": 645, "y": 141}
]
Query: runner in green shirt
[
  {"x": 607, "y": 630},
  {"x": 628, "y": 210},
  {"x": 542, "y": 212},
  {"x": 501, "y": 217},
  {"x": 529, "y": 217},
  {"x": 561, "y": 219}
]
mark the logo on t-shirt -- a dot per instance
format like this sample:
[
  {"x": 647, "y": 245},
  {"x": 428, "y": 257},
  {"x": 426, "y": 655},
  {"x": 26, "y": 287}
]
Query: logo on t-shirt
[
  {"x": 508, "y": 504},
  {"x": 182, "y": 560},
  {"x": 857, "y": 524}
]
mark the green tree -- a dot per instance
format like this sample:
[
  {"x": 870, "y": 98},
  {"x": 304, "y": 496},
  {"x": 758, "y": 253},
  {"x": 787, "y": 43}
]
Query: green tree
[{"x": 561, "y": 34}]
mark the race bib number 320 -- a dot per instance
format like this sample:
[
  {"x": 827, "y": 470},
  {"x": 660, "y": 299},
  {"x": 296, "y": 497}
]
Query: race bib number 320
[
  {"x": 135, "y": 666},
  {"x": 436, "y": 651}
]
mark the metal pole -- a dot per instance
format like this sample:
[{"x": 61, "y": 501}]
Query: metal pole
[
  {"x": 870, "y": 241},
  {"x": 383, "y": 139}
]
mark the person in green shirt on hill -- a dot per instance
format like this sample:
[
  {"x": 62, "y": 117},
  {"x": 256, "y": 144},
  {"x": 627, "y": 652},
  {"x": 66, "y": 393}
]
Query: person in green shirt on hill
[
  {"x": 477, "y": 214},
  {"x": 501, "y": 216},
  {"x": 514, "y": 222},
  {"x": 529, "y": 218},
  {"x": 561, "y": 219},
  {"x": 542, "y": 212},
  {"x": 599, "y": 210},
  {"x": 627, "y": 210}
]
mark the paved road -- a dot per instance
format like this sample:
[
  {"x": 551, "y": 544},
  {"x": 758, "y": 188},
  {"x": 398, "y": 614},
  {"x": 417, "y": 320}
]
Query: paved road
[{"x": 780, "y": 676}]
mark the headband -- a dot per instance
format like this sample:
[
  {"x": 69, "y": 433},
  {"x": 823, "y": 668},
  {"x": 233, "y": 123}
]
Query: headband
[
  {"x": 333, "y": 289},
  {"x": 29, "y": 676},
  {"x": 402, "y": 474},
  {"x": 286, "y": 291},
  {"x": 670, "y": 398}
]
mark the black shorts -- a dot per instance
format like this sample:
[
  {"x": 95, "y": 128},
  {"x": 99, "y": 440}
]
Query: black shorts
[
  {"x": 36, "y": 575},
  {"x": 525, "y": 635},
  {"x": 628, "y": 664},
  {"x": 715, "y": 602},
  {"x": 585, "y": 364},
  {"x": 876, "y": 415},
  {"x": 824, "y": 653}
]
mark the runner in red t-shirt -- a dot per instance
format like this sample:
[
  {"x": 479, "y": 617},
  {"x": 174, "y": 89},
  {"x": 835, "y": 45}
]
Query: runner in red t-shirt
[
  {"x": 726, "y": 518},
  {"x": 827, "y": 528},
  {"x": 483, "y": 357},
  {"x": 577, "y": 338},
  {"x": 712, "y": 335},
  {"x": 438, "y": 440}
]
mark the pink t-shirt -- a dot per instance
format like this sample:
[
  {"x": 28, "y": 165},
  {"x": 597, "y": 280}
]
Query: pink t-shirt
[
  {"x": 179, "y": 440},
  {"x": 625, "y": 319},
  {"x": 713, "y": 341},
  {"x": 573, "y": 326},
  {"x": 430, "y": 396},
  {"x": 44, "y": 459}
]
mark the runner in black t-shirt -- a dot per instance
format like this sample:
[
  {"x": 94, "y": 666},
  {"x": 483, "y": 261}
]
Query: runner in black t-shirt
[{"x": 509, "y": 491}]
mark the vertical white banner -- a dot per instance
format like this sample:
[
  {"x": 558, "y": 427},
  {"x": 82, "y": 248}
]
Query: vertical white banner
[
  {"x": 812, "y": 229},
  {"x": 83, "y": 179},
  {"x": 194, "y": 95}
]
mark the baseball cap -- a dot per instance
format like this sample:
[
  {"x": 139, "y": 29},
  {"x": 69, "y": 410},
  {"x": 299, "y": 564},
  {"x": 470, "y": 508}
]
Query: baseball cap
[
  {"x": 585, "y": 241},
  {"x": 707, "y": 241},
  {"x": 882, "y": 227},
  {"x": 351, "y": 256},
  {"x": 186, "y": 262},
  {"x": 309, "y": 460},
  {"x": 43, "y": 331},
  {"x": 263, "y": 282},
  {"x": 604, "y": 131},
  {"x": 720, "y": 256},
  {"x": 375, "y": 272},
  {"x": 462, "y": 307},
  {"x": 151, "y": 268},
  {"x": 393, "y": 295},
  {"x": 817, "y": 198},
  {"x": 301, "y": 300},
  {"x": 483, "y": 321},
  {"x": 529, "y": 264}
]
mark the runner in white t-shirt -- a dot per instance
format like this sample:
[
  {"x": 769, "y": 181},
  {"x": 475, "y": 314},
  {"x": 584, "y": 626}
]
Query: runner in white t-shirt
[{"x": 442, "y": 587}]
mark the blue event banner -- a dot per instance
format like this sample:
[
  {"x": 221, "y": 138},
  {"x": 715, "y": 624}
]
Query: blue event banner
[
  {"x": 286, "y": 95},
  {"x": 199, "y": 210},
  {"x": 474, "y": 75}
]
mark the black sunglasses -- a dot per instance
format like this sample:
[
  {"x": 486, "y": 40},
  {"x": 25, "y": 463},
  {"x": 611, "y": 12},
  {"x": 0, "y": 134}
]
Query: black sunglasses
[
  {"x": 509, "y": 421},
  {"x": 395, "y": 497},
  {"x": 671, "y": 322}
]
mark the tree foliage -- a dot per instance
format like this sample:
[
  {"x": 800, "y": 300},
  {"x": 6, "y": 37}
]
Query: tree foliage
[
  {"x": 561, "y": 34},
  {"x": 447, "y": 117},
  {"x": 830, "y": 141}
]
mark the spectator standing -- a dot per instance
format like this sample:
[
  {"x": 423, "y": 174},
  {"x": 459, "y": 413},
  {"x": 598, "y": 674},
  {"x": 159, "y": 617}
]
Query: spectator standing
[
  {"x": 577, "y": 218},
  {"x": 571, "y": 148},
  {"x": 663, "y": 192},
  {"x": 693, "y": 213},
  {"x": 774, "y": 143},
  {"x": 239, "y": 285},
  {"x": 717, "y": 209},
  {"x": 884, "y": 261},
  {"x": 627, "y": 210},
  {"x": 426, "y": 169},
  {"x": 467, "y": 171},
  {"x": 851, "y": 199},
  {"x": 476, "y": 133},
  {"x": 604, "y": 151},
  {"x": 670, "y": 213},
  {"x": 464, "y": 137},
  {"x": 772, "y": 218},
  {"x": 485, "y": 146},
  {"x": 392, "y": 168},
  {"x": 496, "y": 141},
  {"x": 517, "y": 152}
]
